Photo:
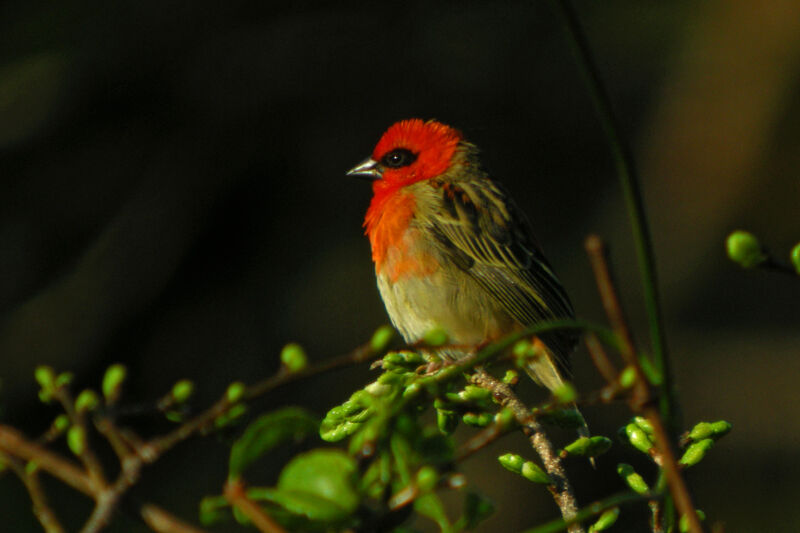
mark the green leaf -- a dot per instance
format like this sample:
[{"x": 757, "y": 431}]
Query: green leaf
[
  {"x": 476, "y": 509},
  {"x": 266, "y": 432},
  {"x": 430, "y": 505},
  {"x": 320, "y": 484}
]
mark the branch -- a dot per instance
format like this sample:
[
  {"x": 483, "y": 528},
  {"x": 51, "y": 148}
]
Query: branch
[
  {"x": 560, "y": 488},
  {"x": 641, "y": 398}
]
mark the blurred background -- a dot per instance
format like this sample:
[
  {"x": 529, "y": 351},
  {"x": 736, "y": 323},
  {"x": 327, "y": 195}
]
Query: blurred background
[{"x": 172, "y": 196}]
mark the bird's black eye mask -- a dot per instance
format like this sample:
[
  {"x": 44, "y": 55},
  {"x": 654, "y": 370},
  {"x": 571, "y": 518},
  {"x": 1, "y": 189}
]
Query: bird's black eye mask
[{"x": 399, "y": 157}]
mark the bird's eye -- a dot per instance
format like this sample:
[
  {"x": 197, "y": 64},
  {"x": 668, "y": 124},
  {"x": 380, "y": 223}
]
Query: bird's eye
[{"x": 398, "y": 158}]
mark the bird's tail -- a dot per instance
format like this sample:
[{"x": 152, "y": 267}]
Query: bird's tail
[{"x": 544, "y": 370}]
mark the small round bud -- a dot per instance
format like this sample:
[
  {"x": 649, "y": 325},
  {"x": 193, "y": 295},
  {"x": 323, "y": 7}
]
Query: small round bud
[
  {"x": 632, "y": 478},
  {"x": 533, "y": 472},
  {"x": 427, "y": 478},
  {"x": 76, "y": 440},
  {"x": 294, "y": 357},
  {"x": 505, "y": 418},
  {"x": 744, "y": 249},
  {"x": 794, "y": 256},
  {"x": 381, "y": 338},
  {"x": 606, "y": 520},
  {"x": 112, "y": 382},
  {"x": 589, "y": 446},
  {"x": 45, "y": 376},
  {"x": 182, "y": 390},
  {"x": 511, "y": 377},
  {"x": 627, "y": 377},
  {"x": 235, "y": 391},
  {"x": 638, "y": 438},
  {"x": 695, "y": 452},
  {"x": 87, "y": 401},
  {"x": 683, "y": 524},
  {"x": 436, "y": 337},
  {"x": 512, "y": 462},
  {"x": 61, "y": 423}
]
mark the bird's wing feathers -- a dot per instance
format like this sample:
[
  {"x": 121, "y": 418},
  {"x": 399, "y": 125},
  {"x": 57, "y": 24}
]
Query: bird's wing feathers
[{"x": 485, "y": 235}]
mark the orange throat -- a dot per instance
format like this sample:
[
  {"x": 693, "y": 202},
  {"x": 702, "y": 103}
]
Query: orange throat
[{"x": 387, "y": 224}]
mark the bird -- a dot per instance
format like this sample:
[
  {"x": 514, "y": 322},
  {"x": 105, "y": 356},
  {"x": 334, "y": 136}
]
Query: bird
[{"x": 453, "y": 251}]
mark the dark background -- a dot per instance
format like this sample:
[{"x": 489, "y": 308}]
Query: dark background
[{"x": 172, "y": 196}]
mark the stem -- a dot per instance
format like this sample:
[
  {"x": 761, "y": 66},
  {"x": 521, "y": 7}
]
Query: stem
[
  {"x": 640, "y": 399},
  {"x": 560, "y": 488},
  {"x": 633, "y": 200},
  {"x": 587, "y": 512}
]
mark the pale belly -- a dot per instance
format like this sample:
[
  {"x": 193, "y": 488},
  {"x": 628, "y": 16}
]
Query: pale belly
[{"x": 453, "y": 302}]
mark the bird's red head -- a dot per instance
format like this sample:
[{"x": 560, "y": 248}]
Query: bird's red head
[
  {"x": 410, "y": 151},
  {"x": 413, "y": 150}
]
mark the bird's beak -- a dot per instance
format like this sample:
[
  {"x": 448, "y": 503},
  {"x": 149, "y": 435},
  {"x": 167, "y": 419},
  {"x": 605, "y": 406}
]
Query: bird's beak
[{"x": 368, "y": 169}]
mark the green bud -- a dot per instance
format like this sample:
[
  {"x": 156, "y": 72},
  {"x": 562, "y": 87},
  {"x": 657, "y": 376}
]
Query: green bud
[
  {"x": 683, "y": 524},
  {"x": 174, "y": 416},
  {"x": 695, "y": 452},
  {"x": 511, "y": 377},
  {"x": 447, "y": 421},
  {"x": 76, "y": 440},
  {"x": 86, "y": 401},
  {"x": 112, "y": 382},
  {"x": 294, "y": 358},
  {"x": 64, "y": 379},
  {"x": 436, "y": 337},
  {"x": 794, "y": 256},
  {"x": 473, "y": 393},
  {"x": 505, "y": 418},
  {"x": 522, "y": 349},
  {"x": 632, "y": 478},
  {"x": 61, "y": 423},
  {"x": 381, "y": 338},
  {"x": 627, "y": 377},
  {"x": 533, "y": 472},
  {"x": 565, "y": 393},
  {"x": 31, "y": 467},
  {"x": 638, "y": 438},
  {"x": 701, "y": 430},
  {"x": 235, "y": 391},
  {"x": 512, "y": 462},
  {"x": 606, "y": 520},
  {"x": 744, "y": 249},
  {"x": 588, "y": 446},
  {"x": 45, "y": 376},
  {"x": 182, "y": 390},
  {"x": 427, "y": 478},
  {"x": 720, "y": 428},
  {"x": 233, "y": 414},
  {"x": 412, "y": 390},
  {"x": 480, "y": 420},
  {"x": 645, "y": 424}
]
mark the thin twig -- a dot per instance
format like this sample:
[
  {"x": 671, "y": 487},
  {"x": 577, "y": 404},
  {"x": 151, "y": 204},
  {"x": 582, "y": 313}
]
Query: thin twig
[
  {"x": 15, "y": 444},
  {"x": 641, "y": 397},
  {"x": 41, "y": 509},
  {"x": 560, "y": 488},
  {"x": 161, "y": 521},
  {"x": 587, "y": 512},
  {"x": 237, "y": 496},
  {"x": 626, "y": 170}
]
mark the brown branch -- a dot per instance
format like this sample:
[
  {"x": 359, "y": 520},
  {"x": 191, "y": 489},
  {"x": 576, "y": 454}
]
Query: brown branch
[
  {"x": 560, "y": 488},
  {"x": 641, "y": 400},
  {"x": 155, "y": 448},
  {"x": 13, "y": 443},
  {"x": 41, "y": 509},
  {"x": 161, "y": 521},
  {"x": 237, "y": 496}
]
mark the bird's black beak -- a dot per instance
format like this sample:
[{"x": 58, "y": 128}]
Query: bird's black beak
[{"x": 368, "y": 169}]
